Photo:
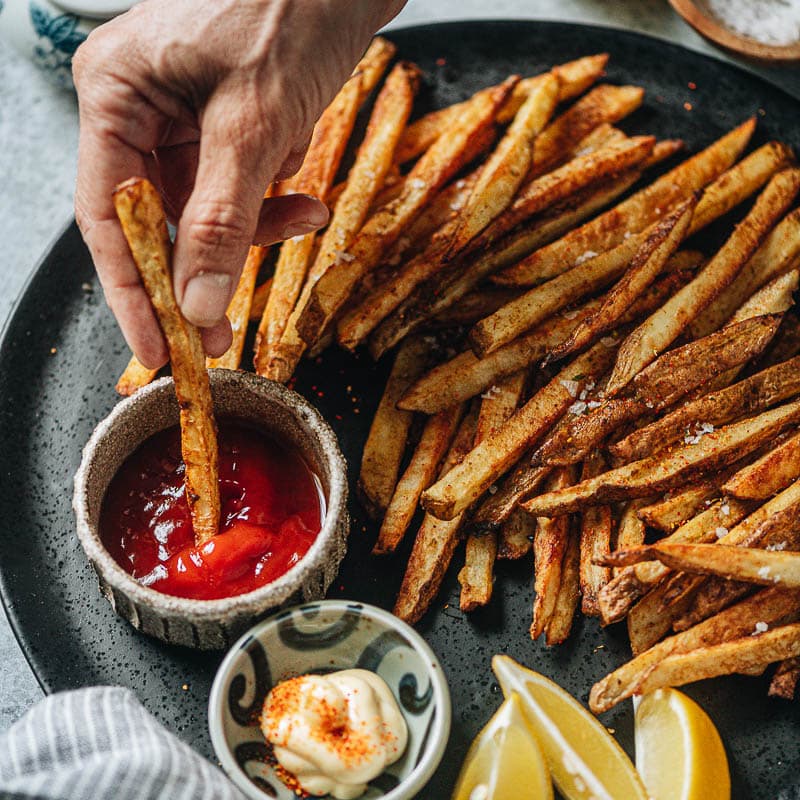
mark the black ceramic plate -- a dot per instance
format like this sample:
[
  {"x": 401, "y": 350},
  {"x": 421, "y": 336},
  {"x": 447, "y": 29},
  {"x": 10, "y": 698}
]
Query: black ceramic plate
[{"x": 62, "y": 352}]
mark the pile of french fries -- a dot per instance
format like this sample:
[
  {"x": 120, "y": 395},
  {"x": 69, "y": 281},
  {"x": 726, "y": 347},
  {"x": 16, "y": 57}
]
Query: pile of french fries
[{"x": 623, "y": 404}]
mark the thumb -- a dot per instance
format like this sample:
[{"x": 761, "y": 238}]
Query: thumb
[{"x": 236, "y": 162}]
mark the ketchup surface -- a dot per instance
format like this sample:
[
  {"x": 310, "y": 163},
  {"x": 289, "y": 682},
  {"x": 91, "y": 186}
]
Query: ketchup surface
[{"x": 271, "y": 514}]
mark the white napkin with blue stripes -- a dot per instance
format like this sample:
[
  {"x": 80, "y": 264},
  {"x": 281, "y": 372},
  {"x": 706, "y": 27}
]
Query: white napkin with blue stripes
[{"x": 98, "y": 744}]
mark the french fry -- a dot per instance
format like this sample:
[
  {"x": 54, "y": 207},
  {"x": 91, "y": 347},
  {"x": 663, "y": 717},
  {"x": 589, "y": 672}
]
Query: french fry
[
  {"x": 386, "y": 442},
  {"x": 492, "y": 458},
  {"x": 646, "y": 264},
  {"x": 474, "y": 306},
  {"x": 466, "y": 375},
  {"x": 373, "y": 64},
  {"x": 574, "y": 78},
  {"x": 476, "y": 575},
  {"x": 435, "y": 542},
  {"x": 549, "y": 546},
  {"x": 260, "y": 295},
  {"x": 741, "y": 655},
  {"x": 785, "y": 345},
  {"x": 374, "y": 158},
  {"x": 134, "y": 376},
  {"x": 756, "y": 393},
  {"x": 631, "y": 530},
  {"x": 506, "y": 167},
  {"x": 659, "y": 473},
  {"x": 443, "y": 290},
  {"x": 635, "y": 213},
  {"x": 670, "y": 513},
  {"x": 381, "y": 230},
  {"x": 315, "y": 177},
  {"x": 784, "y": 681},
  {"x": 430, "y": 450},
  {"x": 138, "y": 206},
  {"x": 515, "y": 535},
  {"x": 664, "y": 326},
  {"x": 569, "y": 593},
  {"x": 595, "y": 540},
  {"x": 769, "y": 605},
  {"x": 771, "y": 473},
  {"x": 240, "y": 310},
  {"x": 713, "y": 596}
]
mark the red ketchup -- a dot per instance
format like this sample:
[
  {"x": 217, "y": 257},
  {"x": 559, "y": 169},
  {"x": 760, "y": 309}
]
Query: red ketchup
[{"x": 271, "y": 513}]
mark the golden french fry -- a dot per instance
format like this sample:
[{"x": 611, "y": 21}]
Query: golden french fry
[
  {"x": 741, "y": 655},
  {"x": 374, "y": 158},
  {"x": 134, "y": 376},
  {"x": 768, "y": 606},
  {"x": 515, "y": 535},
  {"x": 315, "y": 177},
  {"x": 476, "y": 575},
  {"x": 430, "y": 450},
  {"x": 569, "y": 593},
  {"x": 756, "y": 393},
  {"x": 658, "y": 473},
  {"x": 138, "y": 206},
  {"x": 711, "y": 598},
  {"x": 383, "y": 229},
  {"x": 474, "y": 306},
  {"x": 373, "y": 64},
  {"x": 259, "y": 303},
  {"x": 596, "y": 525},
  {"x": 670, "y": 513},
  {"x": 784, "y": 681},
  {"x": 649, "y": 260},
  {"x": 574, "y": 78},
  {"x": 386, "y": 442},
  {"x": 634, "y": 214},
  {"x": 664, "y": 326},
  {"x": 769, "y": 474},
  {"x": 492, "y": 458},
  {"x": 549, "y": 546},
  {"x": 435, "y": 542}
]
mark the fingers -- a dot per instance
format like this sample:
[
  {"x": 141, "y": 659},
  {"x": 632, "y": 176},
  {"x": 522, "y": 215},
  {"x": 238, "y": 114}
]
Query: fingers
[
  {"x": 217, "y": 340},
  {"x": 289, "y": 215},
  {"x": 294, "y": 161}
]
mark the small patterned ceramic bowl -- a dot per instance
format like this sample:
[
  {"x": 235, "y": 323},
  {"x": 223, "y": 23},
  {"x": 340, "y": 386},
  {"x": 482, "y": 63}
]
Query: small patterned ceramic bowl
[
  {"x": 321, "y": 637},
  {"x": 279, "y": 412}
]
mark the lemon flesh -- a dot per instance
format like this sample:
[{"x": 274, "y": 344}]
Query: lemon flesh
[
  {"x": 505, "y": 761},
  {"x": 585, "y": 761},
  {"x": 679, "y": 752}
]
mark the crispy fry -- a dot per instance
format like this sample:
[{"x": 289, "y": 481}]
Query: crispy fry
[
  {"x": 492, "y": 458},
  {"x": 631, "y": 529},
  {"x": 515, "y": 535},
  {"x": 659, "y": 473},
  {"x": 474, "y": 306},
  {"x": 769, "y": 606},
  {"x": 430, "y": 450},
  {"x": 315, "y": 177},
  {"x": 574, "y": 78},
  {"x": 549, "y": 546},
  {"x": 260, "y": 295},
  {"x": 386, "y": 443},
  {"x": 435, "y": 542},
  {"x": 239, "y": 310},
  {"x": 742, "y": 655},
  {"x": 671, "y": 512},
  {"x": 771, "y": 473},
  {"x": 784, "y": 681},
  {"x": 381, "y": 230},
  {"x": 374, "y": 158},
  {"x": 756, "y": 393},
  {"x": 373, "y": 64},
  {"x": 649, "y": 260},
  {"x": 714, "y": 596},
  {"x": 144, "y": 224},
  {"x": 634, "y": 214},
  {"x": 446, "y": 288},
  {"x": 569, "y": 593},
  {"x": 664, "y": 326},
  {"x": 595, "y": 540},
  {"x": 507, "y": 167},
  {"x": 476, "y": 575},
  {"x": 134, "y": 376}
]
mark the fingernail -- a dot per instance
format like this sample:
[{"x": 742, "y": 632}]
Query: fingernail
[{"x": 206, "y": 298}]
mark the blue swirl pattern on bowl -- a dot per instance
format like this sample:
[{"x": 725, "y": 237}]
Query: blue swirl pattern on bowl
[
  {"x": 322, "y": 637},
  {"x": 59, "y": 38}
]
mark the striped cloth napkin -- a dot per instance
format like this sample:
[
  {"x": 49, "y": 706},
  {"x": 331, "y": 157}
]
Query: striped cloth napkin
[{"x": 99, "y": 743}]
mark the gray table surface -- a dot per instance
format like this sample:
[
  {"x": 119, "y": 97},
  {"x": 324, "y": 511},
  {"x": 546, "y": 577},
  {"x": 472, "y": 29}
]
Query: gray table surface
[{"x": 38, "y": 139}]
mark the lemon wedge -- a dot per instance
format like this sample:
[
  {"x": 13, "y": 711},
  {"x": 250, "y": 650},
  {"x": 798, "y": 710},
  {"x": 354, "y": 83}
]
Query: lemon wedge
[
  {"x": 679, "y": 753},
  {"x": 505, "y": 761},
  {"x": 584, "y": 759}
]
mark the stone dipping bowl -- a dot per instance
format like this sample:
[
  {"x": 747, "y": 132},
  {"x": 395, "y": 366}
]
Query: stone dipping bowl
[{"x": 268, "y": 406}]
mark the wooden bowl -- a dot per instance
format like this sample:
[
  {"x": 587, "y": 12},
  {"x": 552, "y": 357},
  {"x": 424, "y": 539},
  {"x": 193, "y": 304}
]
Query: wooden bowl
[{"x": 699, "y": 16}]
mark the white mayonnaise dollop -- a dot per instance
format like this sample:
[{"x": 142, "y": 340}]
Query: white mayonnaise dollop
[{"x": 334, "y": 733}]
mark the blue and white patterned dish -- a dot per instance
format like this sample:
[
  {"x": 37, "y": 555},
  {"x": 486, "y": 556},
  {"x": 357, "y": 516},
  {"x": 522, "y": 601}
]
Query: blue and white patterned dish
[{"x": 321, "y": 637}]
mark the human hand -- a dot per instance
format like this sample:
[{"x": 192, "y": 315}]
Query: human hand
[{"x": 212, "y": 100}]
